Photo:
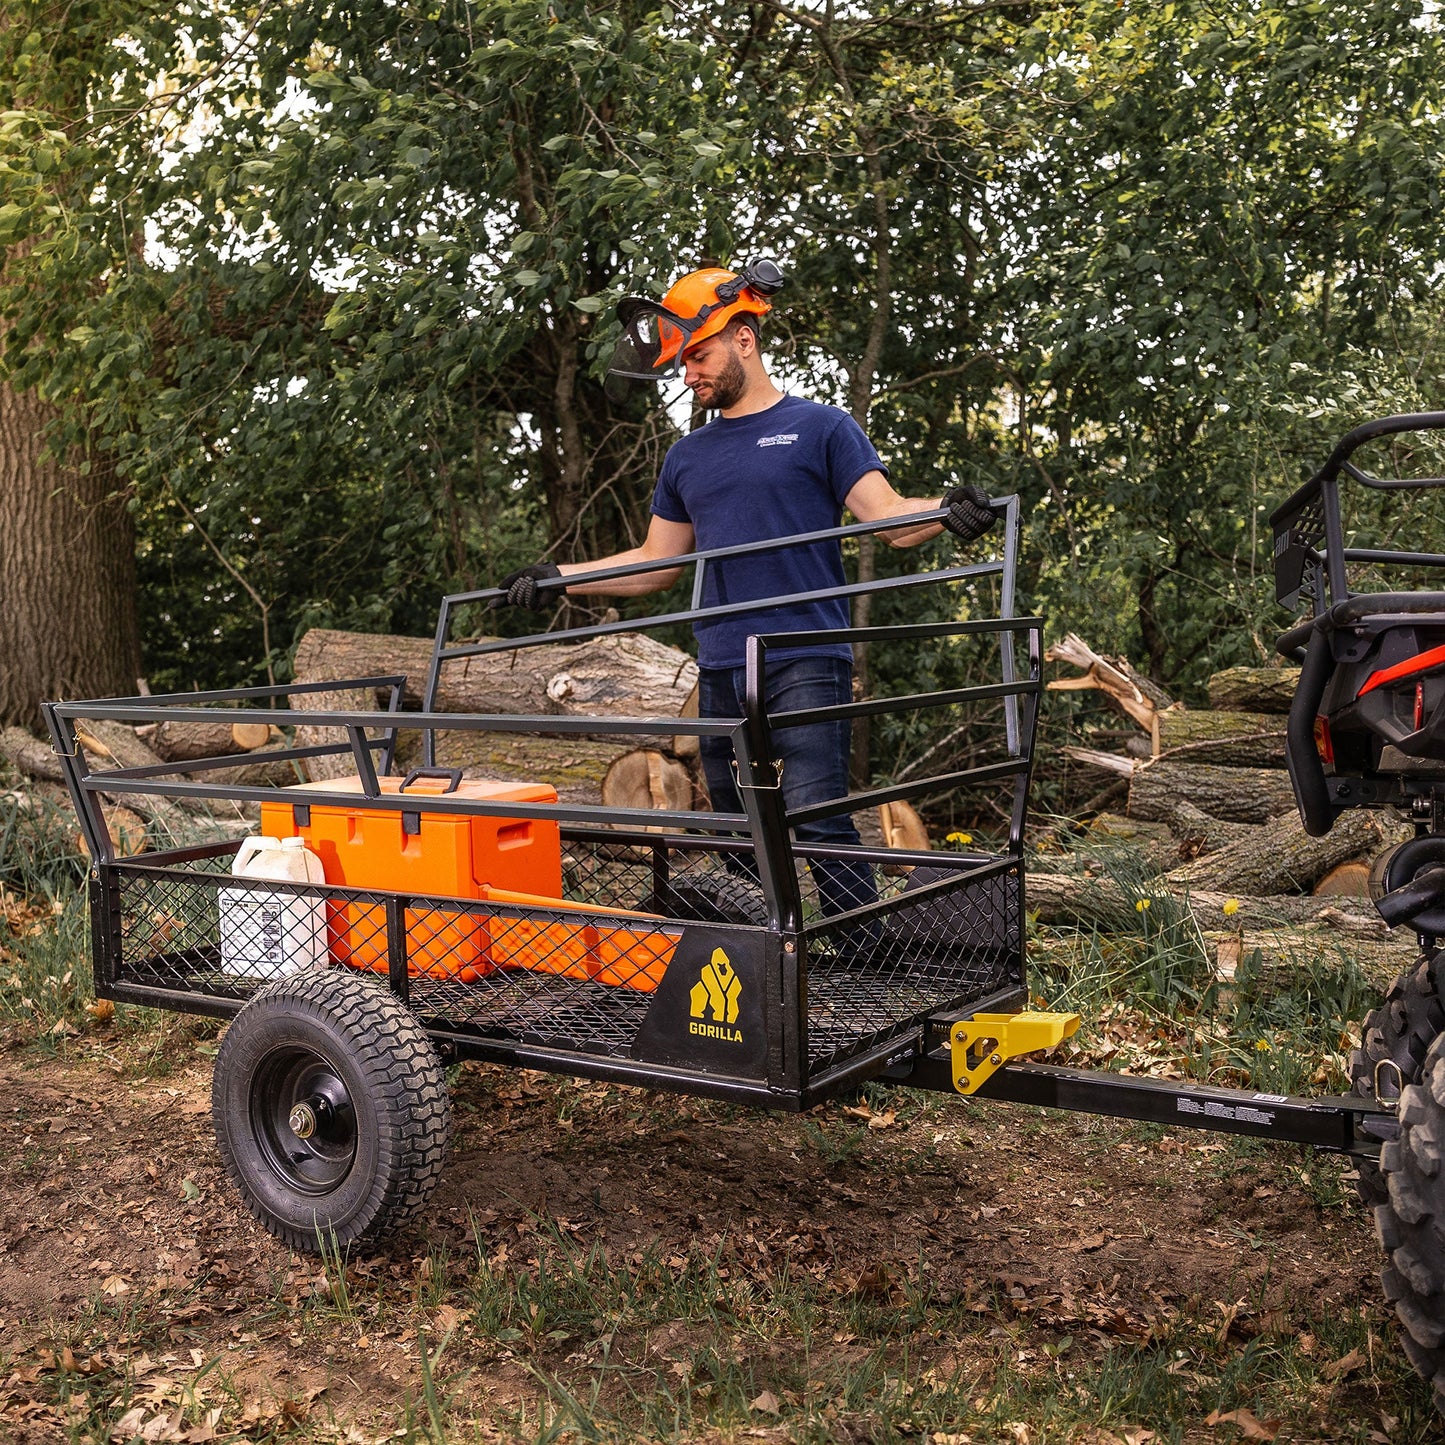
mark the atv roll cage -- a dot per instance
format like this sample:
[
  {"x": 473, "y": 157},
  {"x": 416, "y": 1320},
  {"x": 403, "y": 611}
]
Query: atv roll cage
[{"x": 1354, "y": 738}]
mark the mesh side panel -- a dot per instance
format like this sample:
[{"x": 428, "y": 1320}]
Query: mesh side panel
[
  {"x": 879, "y": 975},
  {"x": 567, "y": 980},
  {"x": 694, "y": 880}
]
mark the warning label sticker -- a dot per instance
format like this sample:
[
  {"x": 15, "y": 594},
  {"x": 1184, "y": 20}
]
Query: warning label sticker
[{"x": 1213, "y": 1109}]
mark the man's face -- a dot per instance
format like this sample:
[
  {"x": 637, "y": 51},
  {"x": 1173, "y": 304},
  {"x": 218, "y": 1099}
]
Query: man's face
[{"x": 714, "y": 371}]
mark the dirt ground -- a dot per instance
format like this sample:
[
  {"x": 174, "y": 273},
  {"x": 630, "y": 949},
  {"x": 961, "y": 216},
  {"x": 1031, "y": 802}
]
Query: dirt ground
[{"x": 1028, "y": 1259}]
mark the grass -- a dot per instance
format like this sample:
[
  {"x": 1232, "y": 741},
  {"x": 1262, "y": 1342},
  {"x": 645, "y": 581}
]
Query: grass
[
  {"x": 1147, "y": 986},
  {"x": 543, "y": 1335}
]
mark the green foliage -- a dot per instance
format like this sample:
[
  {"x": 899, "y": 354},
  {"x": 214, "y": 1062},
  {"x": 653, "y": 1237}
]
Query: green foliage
[{"x": 335, "y": 284}]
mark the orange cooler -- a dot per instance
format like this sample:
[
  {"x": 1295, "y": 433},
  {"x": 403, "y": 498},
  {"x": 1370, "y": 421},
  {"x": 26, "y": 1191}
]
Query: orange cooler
[{"x": 449, "y": 855}]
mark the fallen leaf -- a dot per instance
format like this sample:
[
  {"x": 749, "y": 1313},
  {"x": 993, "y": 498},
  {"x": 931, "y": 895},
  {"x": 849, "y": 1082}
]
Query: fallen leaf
[
  {"x": 1091, "y": 1243},
  {"x": 1345, "y": 1365},
  {"x": 129, "y": 1424},
  {"x": 767, "y": 1403},
  {"x": 1245, "y": 1422},
  {"x": 114, "y": 1285}
]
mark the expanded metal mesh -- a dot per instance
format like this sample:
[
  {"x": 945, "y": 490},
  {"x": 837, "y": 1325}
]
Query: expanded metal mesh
[
  {"x": 578, "y": 979},
  {"x": 874, "y": 977}
]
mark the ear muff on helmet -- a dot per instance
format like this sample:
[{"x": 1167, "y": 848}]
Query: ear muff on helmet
[{"x": 656, "y": 334}]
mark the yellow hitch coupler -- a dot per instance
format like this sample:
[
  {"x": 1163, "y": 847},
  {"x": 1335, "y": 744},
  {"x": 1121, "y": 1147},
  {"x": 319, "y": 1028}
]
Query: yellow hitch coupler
[{"x": 981, "y": 1045}]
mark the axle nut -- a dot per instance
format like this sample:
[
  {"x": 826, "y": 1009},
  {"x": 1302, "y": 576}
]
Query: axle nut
[{"x": 302, "y": 1121}]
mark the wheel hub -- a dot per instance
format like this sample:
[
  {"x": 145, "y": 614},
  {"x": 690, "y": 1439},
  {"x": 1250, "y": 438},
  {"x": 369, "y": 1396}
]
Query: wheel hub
[{"x": 303, "y": 1119}]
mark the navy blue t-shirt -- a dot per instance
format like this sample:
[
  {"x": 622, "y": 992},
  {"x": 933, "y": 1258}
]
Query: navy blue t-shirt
[{"x": 773, "y": 473}]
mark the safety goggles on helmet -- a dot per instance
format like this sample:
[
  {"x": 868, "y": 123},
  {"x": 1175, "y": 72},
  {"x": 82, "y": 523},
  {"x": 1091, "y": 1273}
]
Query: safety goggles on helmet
[{"x": 656, "y": 334}]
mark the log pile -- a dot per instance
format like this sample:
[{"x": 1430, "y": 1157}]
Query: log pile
[{"x": 1210, "y": 785}]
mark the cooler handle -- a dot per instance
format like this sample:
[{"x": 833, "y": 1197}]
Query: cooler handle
[{"x": 452, "y": 775}]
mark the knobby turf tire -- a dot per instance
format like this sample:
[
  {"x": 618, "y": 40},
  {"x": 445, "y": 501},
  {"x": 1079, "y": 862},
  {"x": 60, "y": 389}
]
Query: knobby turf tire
[
  {"x": 1411, "y": 1221},
  {"x": 1401, "y": 1030},
  {"x": 336, "y": 1035}
]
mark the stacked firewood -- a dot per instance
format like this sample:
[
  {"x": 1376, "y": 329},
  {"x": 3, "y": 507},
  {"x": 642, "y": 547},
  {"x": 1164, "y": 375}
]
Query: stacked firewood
[{"x": 1205, "y": 790}]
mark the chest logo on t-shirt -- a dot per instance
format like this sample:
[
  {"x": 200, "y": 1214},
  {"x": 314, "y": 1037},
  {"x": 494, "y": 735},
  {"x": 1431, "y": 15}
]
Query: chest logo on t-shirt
[{"x": 779, "y": 439}]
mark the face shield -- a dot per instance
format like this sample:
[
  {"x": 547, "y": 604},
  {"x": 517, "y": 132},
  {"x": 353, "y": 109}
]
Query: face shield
[{"x": 652, "y": 341}]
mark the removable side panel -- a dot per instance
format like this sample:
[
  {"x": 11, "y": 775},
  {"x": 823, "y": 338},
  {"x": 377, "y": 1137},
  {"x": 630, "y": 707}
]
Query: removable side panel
[{"x": 709, "y": 1012}]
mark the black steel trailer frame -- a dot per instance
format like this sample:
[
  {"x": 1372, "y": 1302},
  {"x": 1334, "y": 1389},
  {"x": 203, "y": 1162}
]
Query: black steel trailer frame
[{"x": 822, "y": 1003}]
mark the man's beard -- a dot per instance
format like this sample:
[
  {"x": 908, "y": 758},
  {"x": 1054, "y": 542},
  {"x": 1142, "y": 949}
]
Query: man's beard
[{"x": 728, "y": 389}]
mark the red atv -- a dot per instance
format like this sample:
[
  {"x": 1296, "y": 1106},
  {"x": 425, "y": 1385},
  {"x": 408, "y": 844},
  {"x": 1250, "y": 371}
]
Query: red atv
[{"x": 1367, "y": 729}]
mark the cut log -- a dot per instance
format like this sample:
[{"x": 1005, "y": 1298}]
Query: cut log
[
  {"x": 1348, "y": 880},
  {"x": 1235, "y": 795},
  {"x": 332, "y": 765},
  {"x": 625, "y": 674},
  {"x": 1254, "y": 689},
  {"x": 1232, "y": 739},
  {"x": 686, "y": 745},
  {"x": 903, "y": 828},
  {"x": 1283, "y": 858},
  {"x": 127, "y": 831},
  {"x": 1135, "y": 695},
  {"x": 646, "y": 778},
  {"x": 30, "y": 756},
  {"x": 178, "y": 742},
  {"x": 1197, "y": 834},
  {"x": 1063, "y": 900}
]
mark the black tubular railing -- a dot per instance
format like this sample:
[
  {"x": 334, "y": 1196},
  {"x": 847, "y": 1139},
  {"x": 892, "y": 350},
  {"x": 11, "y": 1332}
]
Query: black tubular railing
[
  {"x": 371, "y": 737},
  {"x": 1310, "y": 555}
]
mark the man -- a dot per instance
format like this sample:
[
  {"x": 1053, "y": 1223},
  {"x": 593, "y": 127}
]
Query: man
[{"x": 767, "y": 465}]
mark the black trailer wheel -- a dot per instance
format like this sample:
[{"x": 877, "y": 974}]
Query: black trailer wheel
[
  {"x": 331, "y": 1109},
  {"x": 1395, "y": 1039},
  {"x": 1411, "y": 1221}
]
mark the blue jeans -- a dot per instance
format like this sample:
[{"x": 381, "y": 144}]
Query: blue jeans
[{"x": 814, "y": 758}]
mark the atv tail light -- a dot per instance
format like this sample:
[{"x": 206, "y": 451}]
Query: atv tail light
[
  {"x": 1323, "y": 746},
  {"x": 1419, "y": 706},
  {"x": 1435, "y": 657}
]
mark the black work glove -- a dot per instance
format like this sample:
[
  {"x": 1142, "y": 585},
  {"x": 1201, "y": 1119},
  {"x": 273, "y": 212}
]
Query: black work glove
[
  {"x": 522, "y": 589},
  {"x": 969, "y": 514}
]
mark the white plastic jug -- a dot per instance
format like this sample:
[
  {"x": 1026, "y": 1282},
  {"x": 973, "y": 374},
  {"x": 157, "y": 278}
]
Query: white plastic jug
[{"x": 266, "y": 934}]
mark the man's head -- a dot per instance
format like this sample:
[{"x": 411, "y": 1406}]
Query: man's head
[
  {"x": 720, "y": 369},
  {"x": 708, "y": 323}
]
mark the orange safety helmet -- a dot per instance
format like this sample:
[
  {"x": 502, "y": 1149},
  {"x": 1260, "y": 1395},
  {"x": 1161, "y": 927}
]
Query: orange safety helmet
[{"x": 656, "y": 334}]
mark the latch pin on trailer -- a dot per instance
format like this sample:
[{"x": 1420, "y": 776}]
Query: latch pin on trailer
[{"x": 981, "y": 1045}]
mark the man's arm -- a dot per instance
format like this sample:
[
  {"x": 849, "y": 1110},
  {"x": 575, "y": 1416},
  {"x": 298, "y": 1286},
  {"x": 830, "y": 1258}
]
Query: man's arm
[
  {"x": 664, "y": 539},
  {"x": 873, "y": 500}
]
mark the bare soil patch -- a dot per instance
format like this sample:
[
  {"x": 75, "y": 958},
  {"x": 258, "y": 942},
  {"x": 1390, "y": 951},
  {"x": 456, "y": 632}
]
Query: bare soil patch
[{"x": 607, "y": 1260}]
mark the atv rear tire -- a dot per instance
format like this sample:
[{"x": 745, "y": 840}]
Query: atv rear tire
[
  {"x": 1411, "y": 1221},
  {"x": 1400, "y": 1030},
  {"x": 331, "y": 1109}
]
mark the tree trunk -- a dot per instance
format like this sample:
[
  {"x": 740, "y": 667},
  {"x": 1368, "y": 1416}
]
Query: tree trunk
[
  {"x": 1236, "y": 795},
  {"x": 1283, "y": 858},
  {"x": 1061, "y": 899},
  {"x": 1234, "y": 739},
  {"x": 183, "y": 742},
  {"x": 67, "y": 573},
  {"x": 622, "y": 675},
  {"x": 1254, "y": 689}
]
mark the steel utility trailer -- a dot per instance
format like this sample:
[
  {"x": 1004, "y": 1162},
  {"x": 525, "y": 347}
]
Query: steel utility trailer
[{"x": 680, "y": 950}]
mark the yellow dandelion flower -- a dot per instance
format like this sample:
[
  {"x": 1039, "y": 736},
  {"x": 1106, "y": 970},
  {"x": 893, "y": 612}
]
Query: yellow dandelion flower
[
  {"x": 960, "y": 838},
  {"x": 1141, "y": 905},
  {"x": 1231, "y": 907},
  {"x": 1262, "y": 1045}
]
